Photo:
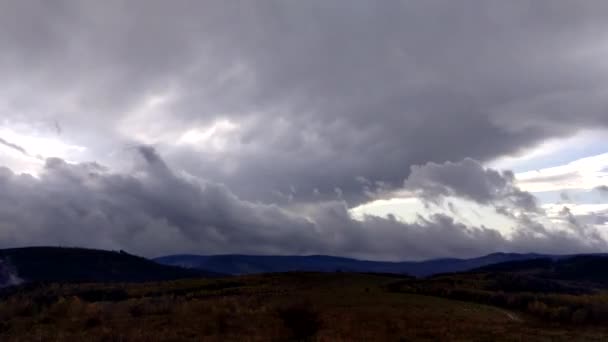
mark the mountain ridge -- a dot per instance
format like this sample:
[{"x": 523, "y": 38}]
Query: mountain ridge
[
  {"x": 237, "y": 264},
  {"x": 72, "y": 264}
]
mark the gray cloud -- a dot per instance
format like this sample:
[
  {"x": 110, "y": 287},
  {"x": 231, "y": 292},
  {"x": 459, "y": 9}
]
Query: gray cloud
[
  {"x": 603, "y": 189},
  {"x": 470, "y": 180},
  {"x": 155, "y": 210},
  {"x": 593, "y": 218},
  {"x": 274, "y": 118},
  {"x": 580, "y": 228},
  {"x": 14, "y": 147},
  {"x": 322, "y": 93}
]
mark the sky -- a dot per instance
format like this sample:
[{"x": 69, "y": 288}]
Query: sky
[{"x": 390, "y": 130}]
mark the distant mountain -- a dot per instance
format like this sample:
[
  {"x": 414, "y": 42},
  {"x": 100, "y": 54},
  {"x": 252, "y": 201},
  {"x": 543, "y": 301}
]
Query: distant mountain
[
  {"x": 55, "y": 264},
  {"x": 248, "y": 264}
]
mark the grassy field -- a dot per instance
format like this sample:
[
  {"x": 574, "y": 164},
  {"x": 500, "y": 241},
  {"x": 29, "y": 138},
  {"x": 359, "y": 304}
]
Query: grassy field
[{"x": 279, "y": 307}]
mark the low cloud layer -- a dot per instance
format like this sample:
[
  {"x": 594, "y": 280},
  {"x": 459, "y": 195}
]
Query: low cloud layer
[
  {"x": 155, "y": 210},
  {"x": 468, "y": 179}
]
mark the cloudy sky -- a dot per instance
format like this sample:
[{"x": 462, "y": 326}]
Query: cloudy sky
[{"x": 374, "y": 129}]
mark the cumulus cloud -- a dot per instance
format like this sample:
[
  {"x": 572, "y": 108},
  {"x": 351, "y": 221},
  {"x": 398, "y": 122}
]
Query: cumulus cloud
[
  {"x": 585, "y": 215},
  {"x": 470, "y": 180},
  {"x": 585, "y": 231},
  {"x": 155, "y": 210}
]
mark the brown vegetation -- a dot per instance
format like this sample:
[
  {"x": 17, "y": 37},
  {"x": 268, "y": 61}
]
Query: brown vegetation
[
  {"x": 281, "y": 307},
  {"x": 545, "y": 299}
]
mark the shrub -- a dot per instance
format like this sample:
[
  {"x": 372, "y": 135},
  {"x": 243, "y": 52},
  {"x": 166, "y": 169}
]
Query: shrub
[
  {"x": 302, "y": 321},
  {"x": 136, "y": 309},
  {"x": 92, "y": 322},
  {"x": 580, "y": 316},
  {"x": 538, "y": 308}
]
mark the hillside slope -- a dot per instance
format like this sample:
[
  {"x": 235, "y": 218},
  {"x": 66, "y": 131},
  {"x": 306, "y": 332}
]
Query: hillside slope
[
  {"x": 272, "y": 307},
  {"x": 55, "y": 264},
  {"x": 250, "y": 264},
  {"x": 579, "y": 269}
]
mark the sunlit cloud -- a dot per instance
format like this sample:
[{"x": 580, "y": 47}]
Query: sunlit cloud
[
  {"x": 586, "y": 173},
  {"x": 214, "y": 137}
]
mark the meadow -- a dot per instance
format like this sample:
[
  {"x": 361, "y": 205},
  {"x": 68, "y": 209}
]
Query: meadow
[{"x": 272, "y": 307}]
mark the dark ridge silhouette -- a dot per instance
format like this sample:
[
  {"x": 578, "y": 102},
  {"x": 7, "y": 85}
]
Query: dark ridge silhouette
[
  {"x": 579, "y": 268},
  {"x": 250, "y": 264},
  {"x": 58, "y": 264},
  {"x": 518, "y": 265}
]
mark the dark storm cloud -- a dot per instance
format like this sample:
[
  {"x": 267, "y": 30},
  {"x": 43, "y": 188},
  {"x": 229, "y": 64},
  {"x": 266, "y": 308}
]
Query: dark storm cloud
[
  {"x": 313, "y": 105},
  {"x": 156, "y": 210},
  {"x": 468, "y": 179},
  {"x": 322, "y": 92}
]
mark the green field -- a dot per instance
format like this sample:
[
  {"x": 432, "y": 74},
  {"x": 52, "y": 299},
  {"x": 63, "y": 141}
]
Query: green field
[{"x": 280, "y": 307}]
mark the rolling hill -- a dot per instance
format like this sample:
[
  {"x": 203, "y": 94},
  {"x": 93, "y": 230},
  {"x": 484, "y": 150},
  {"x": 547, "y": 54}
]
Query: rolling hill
[
  {"x": 569, "y": 290},
  {"x": 249, "y": 264},
  {"x": 580, "y": 269},
  {"x": 55, "y": 264}
]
